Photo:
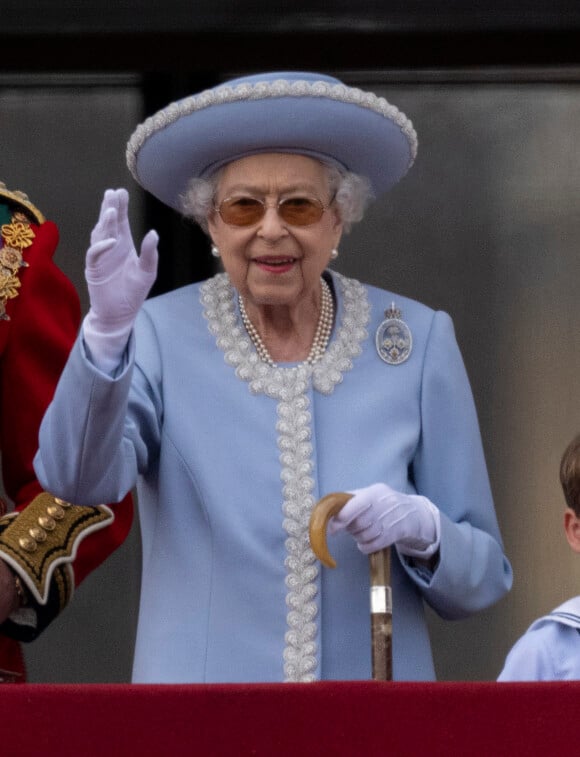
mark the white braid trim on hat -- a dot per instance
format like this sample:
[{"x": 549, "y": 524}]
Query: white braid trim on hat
[{"x": 262, "y": 90}]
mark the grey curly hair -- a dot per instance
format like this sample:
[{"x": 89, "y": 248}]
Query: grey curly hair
[{"x": 352, "y": 194}]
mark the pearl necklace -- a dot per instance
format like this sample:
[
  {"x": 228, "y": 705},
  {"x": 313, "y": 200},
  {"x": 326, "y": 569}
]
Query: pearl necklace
[{"x": 321, "y": 337}]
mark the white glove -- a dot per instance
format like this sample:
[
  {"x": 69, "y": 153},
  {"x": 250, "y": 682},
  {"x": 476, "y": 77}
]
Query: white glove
[
  {"x": 118, "y": 280},
  {"x": 378, "y": 516}
]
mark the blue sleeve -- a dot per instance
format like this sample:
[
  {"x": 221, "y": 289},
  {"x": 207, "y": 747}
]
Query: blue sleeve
[
  {"x": 98, "y": 433},
  {"x": 449, "y": 468}
]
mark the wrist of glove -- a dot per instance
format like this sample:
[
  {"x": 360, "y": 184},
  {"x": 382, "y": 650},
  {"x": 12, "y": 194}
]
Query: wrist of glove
[
  {"x": 105, "y": 345},
  {"x": 379, "y": 516}
]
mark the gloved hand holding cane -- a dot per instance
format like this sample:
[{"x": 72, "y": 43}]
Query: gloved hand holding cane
[{"x": 378, "y": 517}]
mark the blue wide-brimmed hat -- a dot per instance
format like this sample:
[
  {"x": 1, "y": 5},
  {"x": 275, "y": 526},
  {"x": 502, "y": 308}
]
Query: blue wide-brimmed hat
[{"x": 294, "y": 112}]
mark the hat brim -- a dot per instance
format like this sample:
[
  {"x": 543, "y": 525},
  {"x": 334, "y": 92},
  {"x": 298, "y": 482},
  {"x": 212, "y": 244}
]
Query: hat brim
[
  {"x": 322, "y": 119},
  {"x": 21, "y": 201}
]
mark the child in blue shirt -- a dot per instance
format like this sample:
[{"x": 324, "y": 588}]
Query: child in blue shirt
[{"x": 550, "y": 648}]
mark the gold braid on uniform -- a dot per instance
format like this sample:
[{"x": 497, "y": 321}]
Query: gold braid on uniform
[
  {"x": 39, "y": 544},
  {"x": 40, "y": 540}
]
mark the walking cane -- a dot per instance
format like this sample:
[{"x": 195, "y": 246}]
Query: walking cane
[{"x": 380, "y": 590}]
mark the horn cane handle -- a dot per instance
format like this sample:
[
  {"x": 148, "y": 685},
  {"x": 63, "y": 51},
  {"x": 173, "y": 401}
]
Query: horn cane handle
[{"x": 322, "y": 512}]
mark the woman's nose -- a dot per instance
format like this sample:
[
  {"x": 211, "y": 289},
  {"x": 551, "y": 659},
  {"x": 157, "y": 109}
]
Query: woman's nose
[{"x": 272, "y": 226}]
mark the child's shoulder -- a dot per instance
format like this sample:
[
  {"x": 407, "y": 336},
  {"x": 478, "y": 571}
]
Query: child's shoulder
[
  {"x": 567, "y": 614},
  {"x": 549, "y": 649}
]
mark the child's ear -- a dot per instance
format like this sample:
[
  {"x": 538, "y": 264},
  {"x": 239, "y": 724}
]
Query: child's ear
[{"x": 572, "y": 528}]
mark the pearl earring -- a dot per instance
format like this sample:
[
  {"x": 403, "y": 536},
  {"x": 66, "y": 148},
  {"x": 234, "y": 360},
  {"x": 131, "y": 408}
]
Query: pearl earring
[
  {"x": 334, "y": 254},
  {"x": 214, "y": 251}
]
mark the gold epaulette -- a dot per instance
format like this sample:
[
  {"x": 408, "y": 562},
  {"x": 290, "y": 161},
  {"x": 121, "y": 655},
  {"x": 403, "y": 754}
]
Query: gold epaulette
[
  {"x": 40, "y": 541},
  {"x": 16, "y": 235}
]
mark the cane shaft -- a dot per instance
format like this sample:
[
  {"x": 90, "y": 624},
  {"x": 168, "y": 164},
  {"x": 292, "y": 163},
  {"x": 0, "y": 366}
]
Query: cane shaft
[{"x": 381, "y": 616}]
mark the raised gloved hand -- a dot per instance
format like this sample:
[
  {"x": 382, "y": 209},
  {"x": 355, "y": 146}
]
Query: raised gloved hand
[
  {"x": 378, "y": 516},
  {"x": 118, "y": 280}
]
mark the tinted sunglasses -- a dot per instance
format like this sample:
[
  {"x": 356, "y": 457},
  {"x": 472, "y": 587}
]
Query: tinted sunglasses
[{"x": 245, "y": 210}]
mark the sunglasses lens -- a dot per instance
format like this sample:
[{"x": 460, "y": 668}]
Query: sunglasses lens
[
  {"x": 246, "y": 211},
  {"x": 301, "y": 211},
  {"x": 241, "y": 211}
]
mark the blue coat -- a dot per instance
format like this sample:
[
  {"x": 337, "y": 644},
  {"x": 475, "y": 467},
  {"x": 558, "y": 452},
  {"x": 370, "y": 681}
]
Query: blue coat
[
  {"x": 550, "y": 648},
  {"x": 229, "y": 455}
]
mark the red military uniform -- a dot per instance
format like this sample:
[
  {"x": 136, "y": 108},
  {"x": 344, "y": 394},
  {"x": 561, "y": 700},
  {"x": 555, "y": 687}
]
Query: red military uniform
[{"x": 50, "y": 545}]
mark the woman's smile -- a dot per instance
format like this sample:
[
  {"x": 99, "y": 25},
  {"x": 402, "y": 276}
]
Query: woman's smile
[{"x": 274, "y": 264}]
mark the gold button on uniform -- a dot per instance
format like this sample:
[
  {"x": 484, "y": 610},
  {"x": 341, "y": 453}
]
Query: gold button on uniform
[
  {"x": 28, "y": 544},
  {"x": 38, "y": 534},
  {"x": 48, "y": 523}
]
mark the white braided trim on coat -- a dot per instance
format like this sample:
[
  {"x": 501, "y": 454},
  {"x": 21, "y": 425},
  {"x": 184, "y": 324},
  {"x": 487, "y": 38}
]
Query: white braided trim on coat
[{"x": 294, "y": 426}]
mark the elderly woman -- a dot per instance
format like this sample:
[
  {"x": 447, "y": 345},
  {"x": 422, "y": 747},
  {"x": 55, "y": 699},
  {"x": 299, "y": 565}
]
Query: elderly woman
[{"x": 236, "y": 403}]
